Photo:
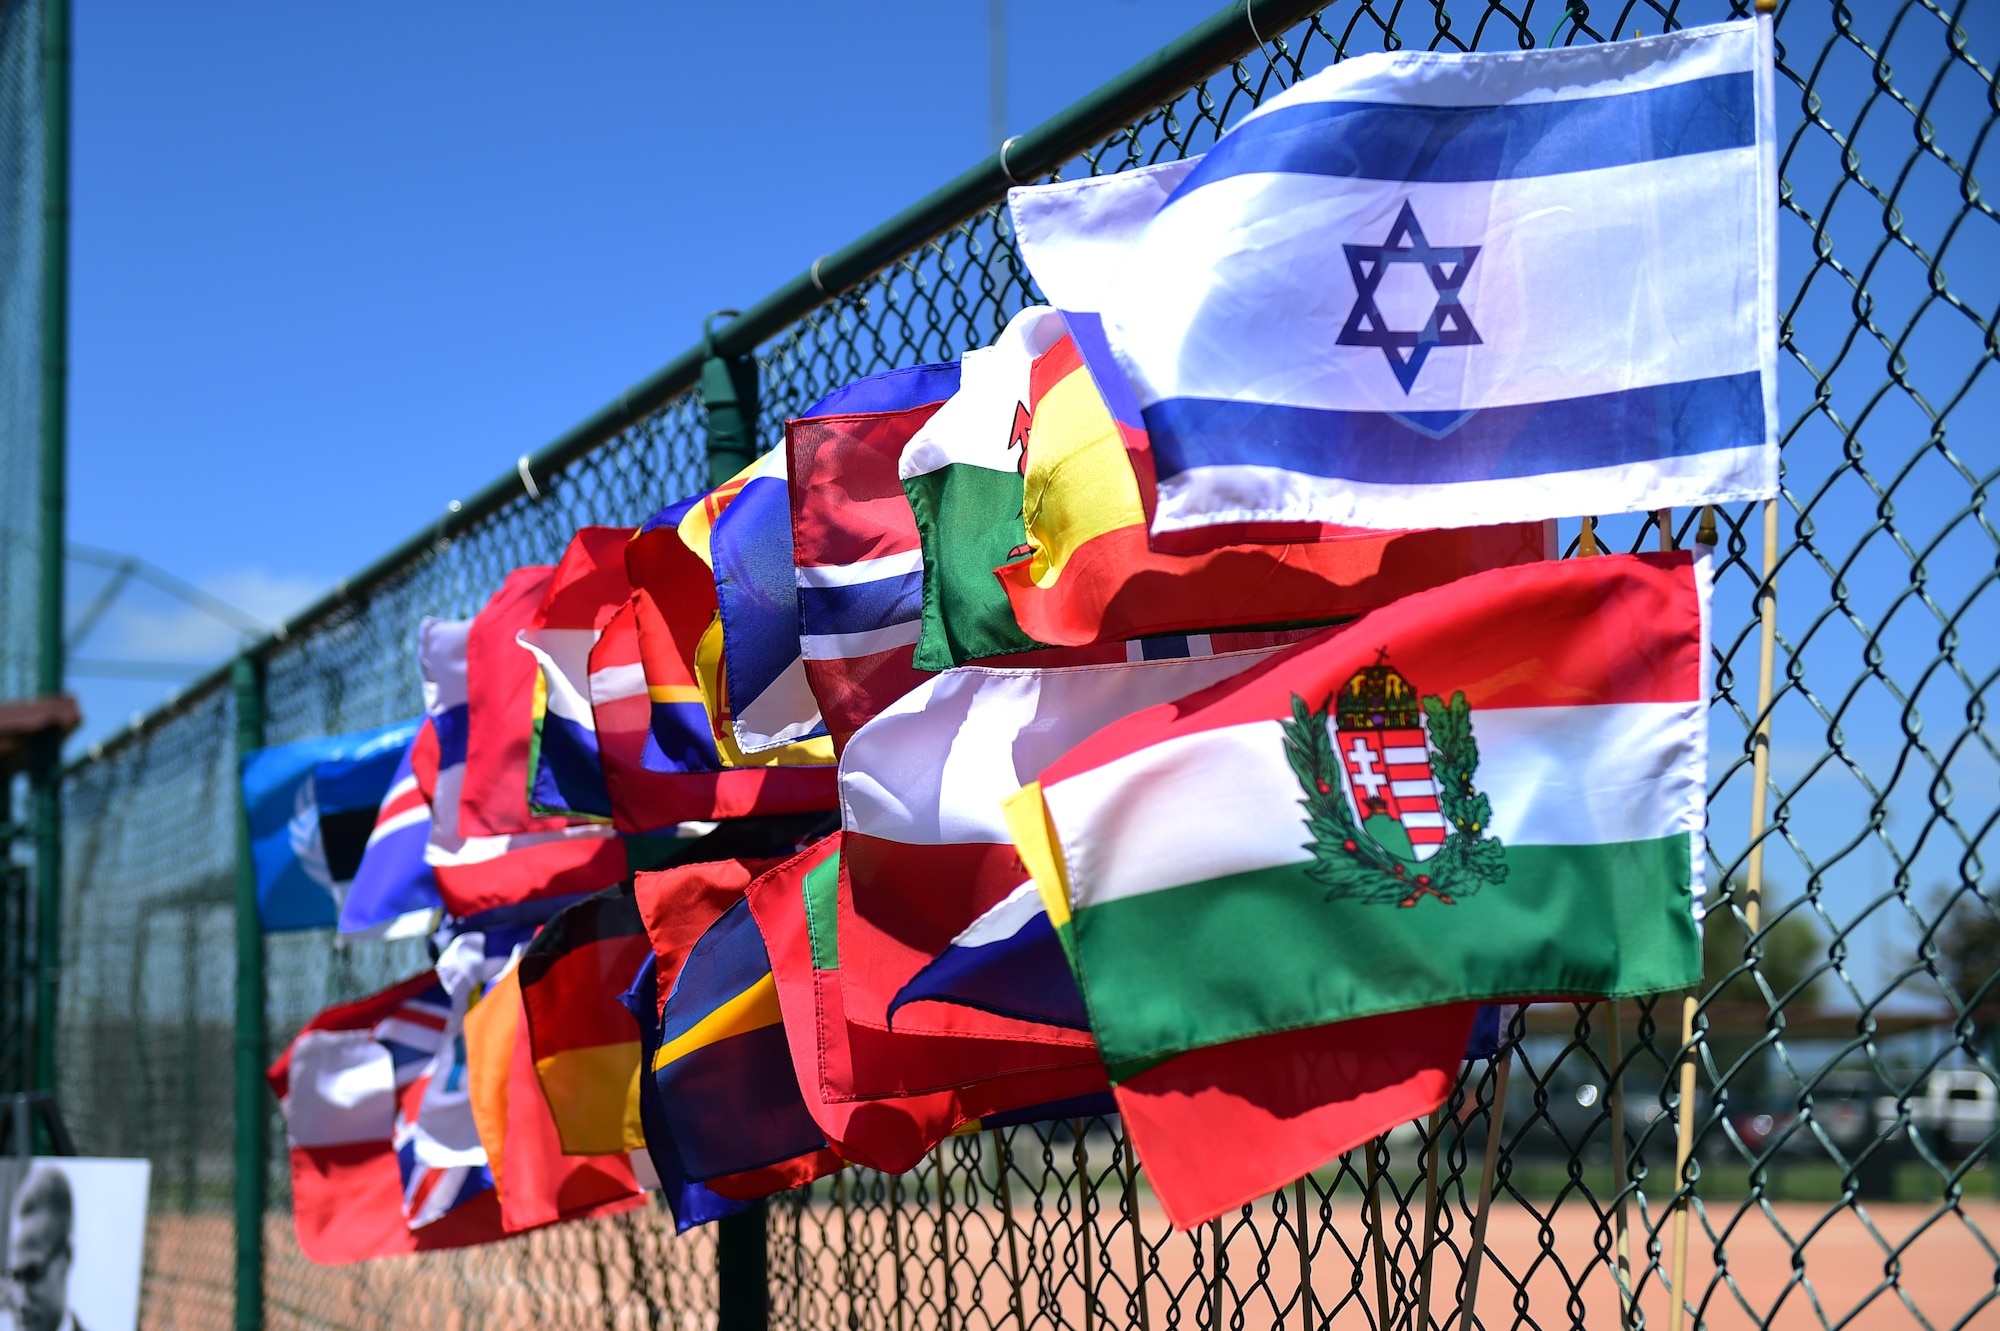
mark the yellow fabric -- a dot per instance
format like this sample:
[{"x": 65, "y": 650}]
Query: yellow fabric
[
  {"x": 491, "y": 1024},
  {"x": 714, "y": 685},
  {"x": 1079, "y": 484},
  {"x": 697, "y": 525},
  {"x": 594, "y": 1095},
  {"x": 674, "y": 692},
  {"x": 752, "y": 1010},
  {"x": 1035, "y": 839}
]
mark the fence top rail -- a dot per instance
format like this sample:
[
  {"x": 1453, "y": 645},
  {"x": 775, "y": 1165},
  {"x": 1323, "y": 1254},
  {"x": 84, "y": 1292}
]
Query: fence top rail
[{"x": 1209, "y": 46}]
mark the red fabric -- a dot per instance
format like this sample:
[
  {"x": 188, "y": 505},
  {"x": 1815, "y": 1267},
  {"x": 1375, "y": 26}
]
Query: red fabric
[
  {"x": 1217, "y": 1128},
  {"x": 539, "y": 1184},
  {"x": 500, "y": 721},
  {"x": 590, "y": 583},
  {"x": 347, "y": 1200},
  {"x": 937, "y": 1084},
  {"x": 643, "y": 800},
  {"x": 847, "y": 506},
  {"x": 679, "y": 904},
  {"x": 1565, "y": 633},
  {"x": 1117, "y": 586},
  {"x": 781, "y": 1177},
  {"x": 558, "y": 868},
  {"x": 900, "y": 907}
]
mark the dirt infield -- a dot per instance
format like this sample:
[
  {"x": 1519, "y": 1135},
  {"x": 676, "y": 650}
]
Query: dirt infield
[{"x": 836, "y": 1272}]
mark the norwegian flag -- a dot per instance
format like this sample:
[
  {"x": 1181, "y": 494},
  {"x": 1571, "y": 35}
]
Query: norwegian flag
[{"x": 1389, "y": 772}]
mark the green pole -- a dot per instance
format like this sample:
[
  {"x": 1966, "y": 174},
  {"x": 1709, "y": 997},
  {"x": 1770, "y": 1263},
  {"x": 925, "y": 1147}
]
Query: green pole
[
  {"x": 247, "y": 676},
  {"x": 729, "y": 393},
  {"x": 54, "y": 398}
]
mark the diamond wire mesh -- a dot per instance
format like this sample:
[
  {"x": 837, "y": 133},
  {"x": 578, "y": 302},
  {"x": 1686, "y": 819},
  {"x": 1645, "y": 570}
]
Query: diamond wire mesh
[
  {"x": 1843, "y": 1113},
  {"x": 20, "y": 341}
]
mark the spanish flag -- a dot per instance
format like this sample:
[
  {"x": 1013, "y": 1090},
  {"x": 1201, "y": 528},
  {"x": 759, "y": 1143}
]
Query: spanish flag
[{"x": 1087, "y": 574}]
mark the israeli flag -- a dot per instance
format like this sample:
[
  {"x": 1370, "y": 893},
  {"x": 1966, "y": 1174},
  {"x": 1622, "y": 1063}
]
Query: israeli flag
[{"x": 1446, "y": 290}]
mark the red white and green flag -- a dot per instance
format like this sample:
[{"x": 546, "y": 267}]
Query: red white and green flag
[{"x": 1492, "y": 790}]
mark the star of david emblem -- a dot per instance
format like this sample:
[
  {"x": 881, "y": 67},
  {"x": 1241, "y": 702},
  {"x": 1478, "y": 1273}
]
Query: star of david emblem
[{"x": 1449, "y": 324}]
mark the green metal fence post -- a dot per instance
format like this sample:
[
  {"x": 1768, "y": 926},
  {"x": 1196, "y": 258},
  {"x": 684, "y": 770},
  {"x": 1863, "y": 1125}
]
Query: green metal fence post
[
  {"x": 54, "y": 398},
  {"x": 247, "y": 676},
  {"x": 729, "y": 392}
]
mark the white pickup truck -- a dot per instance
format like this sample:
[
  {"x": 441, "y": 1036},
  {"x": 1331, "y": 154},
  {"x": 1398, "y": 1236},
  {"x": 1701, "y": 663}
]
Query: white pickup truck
[{"x": 1958, "y": 1108}]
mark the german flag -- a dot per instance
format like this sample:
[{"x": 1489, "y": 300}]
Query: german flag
[{"x": 585, "y": 1044}]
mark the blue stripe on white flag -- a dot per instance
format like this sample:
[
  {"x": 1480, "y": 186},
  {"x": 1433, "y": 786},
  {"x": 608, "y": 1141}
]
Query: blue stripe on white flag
[
  {"x": 1391, "y": 141},
  {"x": 1418, "y": 448},
  {"x": 862, "y": 606}
]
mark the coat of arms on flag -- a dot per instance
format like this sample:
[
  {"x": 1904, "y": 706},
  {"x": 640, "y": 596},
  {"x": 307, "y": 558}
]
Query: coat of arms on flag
[{"x": 1388, "y": 792}]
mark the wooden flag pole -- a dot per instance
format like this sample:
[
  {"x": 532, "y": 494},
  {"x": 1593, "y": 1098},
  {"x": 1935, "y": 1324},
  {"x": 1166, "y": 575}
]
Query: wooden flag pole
[
  {"x": 1683, "y": 1148},
  {"x": 1007, "y": 1223},
  {"x": 943, "y": 1241},
  {"x": 1375, "y": 1233},
  {"x": 1429, "y": 1254},
  {"x": 1305, "y": 1258},
  {"x": 1138, "y": 1239},
  {"x": 1475, "y": 1259},
  {"x": 1085, "y": 1197},
  {"x": 1621, "y": 1222},
  {"x": 1586, "y": 539}
]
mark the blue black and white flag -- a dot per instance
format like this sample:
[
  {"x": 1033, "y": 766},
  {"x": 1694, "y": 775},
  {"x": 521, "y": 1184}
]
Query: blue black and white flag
[
  {"x": 1427, "y": 289},
  {"x": 310, "y": 806}
]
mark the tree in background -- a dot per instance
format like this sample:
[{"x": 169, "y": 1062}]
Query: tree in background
[
  {"x": 1967, "y": 949},
  {"x": 1793, "y": 949}
]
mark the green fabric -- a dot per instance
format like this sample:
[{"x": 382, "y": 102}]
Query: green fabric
[
  {"x": 822, "y": 913},
  {"x": 1265, "y": 951},
  {"x": 969, "y": 519}
]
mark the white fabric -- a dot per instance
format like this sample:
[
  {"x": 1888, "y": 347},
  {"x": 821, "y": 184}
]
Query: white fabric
[
  {"x": 1147, "y": 821},
  {"x": 1073, "y": 234},
  {"x": 934, "y": 768},
  {"x": 972, "y": 426},
  {"x": 341, "y": 1090}
]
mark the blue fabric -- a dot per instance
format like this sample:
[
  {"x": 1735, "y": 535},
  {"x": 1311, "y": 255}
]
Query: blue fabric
[
  {"x": 680, "y": 738},
  {"x": 691, "y": 1203},
  {"x": 1095, "y": 1105},
  {"x": 897, "y": 390},
  {"x": 757, "y": 590},
  {"x": 1399, "y": 141},
  {"x": 671, "y": 515},
  {"x": 294, "y": 889},
  {"x": 568, "y": 773},
  {"x": 733, "y": 1104},
  {"x": 1531, "y": 439},
  {"x": 862, "y": 606},
  {"x": 1025, "y": 976},
  {"x": 393, "y": 880},
  {"x": 1087, "y": 332}
]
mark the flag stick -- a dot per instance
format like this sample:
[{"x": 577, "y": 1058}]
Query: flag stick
[
  {"x": 846, "y": 1243},
  {"x": 1305, "y": 1257},
  {"x": 1430, "y": 1223},
  {"x": 1375, "y": 1232},
  {"x": 1665, "y": 518},
  {"x": 896, "y": 1242},
  {"x": 1683, "y": 1148},
  {"x": 1007, "y": 1223},
  {"x": 1476, "y": 1258},
  {"x": 1586, "y": 539},
  {"x": 1621, "y": 1224},
  {"x": 943, "y": 1242},
  {"x": 1215, "y": 1280},
  {"x": 1138, "y": 1239},
  {"x": 1085, "y": 1195}
]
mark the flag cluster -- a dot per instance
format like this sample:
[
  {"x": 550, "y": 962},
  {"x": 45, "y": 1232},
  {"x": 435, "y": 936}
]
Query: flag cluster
[{"x": 1176, "y": 709}]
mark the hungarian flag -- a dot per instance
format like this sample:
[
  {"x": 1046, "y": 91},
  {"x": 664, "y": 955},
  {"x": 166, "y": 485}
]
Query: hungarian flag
[
  {"x": 538, "y": 1184},
  {"x": 925, "y": 849},
  {"x": 729, "y": 1102},
  {"x": 565, "y": 773},
  {"x": 858, "y": 561},
  {"x": 1491, "y": 790},
  {"x": 585, "y": 1045},
  {"x": 477, "y": 874},
  {"x": 795, "y": 908},
  {"x": 1089, "y": 575},
  {"x": 338, "y": 1084}
]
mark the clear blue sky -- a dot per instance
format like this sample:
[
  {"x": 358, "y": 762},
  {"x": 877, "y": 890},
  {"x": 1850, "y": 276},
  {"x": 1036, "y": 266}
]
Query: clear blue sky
[{"x": 336, "y": 265}]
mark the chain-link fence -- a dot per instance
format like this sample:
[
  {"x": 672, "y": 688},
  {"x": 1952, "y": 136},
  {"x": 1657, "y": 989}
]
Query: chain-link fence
[{"x": 1845, "y": 1087}]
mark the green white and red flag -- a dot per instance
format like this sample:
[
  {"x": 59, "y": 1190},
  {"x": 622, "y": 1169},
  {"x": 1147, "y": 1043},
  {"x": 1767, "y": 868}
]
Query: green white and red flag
[{"x": 1492, "y": 790}]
